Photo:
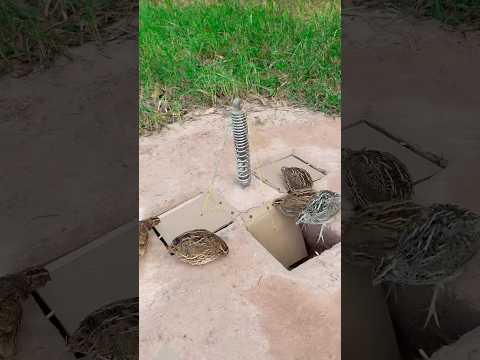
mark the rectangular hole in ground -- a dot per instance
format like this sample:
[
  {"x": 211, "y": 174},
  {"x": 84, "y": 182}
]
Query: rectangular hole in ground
[
  {"x": 288, "y": 243},
  {"x": 271, "y": 173}
]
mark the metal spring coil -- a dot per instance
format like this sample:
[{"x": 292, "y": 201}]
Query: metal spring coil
[{"x": 240, "y": 138}]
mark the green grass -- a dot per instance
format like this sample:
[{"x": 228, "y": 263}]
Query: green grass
[
  {"x": 456, "y": 13},
  {"x": 451, "y": 12},
  {"x": 34, "y": 32},
  {"x": 200, "y": 53}
]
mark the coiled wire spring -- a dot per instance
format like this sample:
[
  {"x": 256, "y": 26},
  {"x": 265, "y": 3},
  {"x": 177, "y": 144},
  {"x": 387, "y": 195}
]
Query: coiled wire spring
[{"x": 240, "y": 139}]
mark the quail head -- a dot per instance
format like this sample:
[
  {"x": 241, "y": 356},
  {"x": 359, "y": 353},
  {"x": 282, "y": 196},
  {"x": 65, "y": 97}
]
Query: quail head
[
  {"x": 144, "y": 227},
  {"x": 373, "y": 232},
  {"x": 294, "y": 202}
]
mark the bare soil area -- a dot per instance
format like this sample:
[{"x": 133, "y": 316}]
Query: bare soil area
[
  {"x": 57, "y": 128},
  {"x": 248, "y": 305}
]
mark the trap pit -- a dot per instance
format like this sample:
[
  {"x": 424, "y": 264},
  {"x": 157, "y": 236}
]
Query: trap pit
[{"x": 288, "y": 243}]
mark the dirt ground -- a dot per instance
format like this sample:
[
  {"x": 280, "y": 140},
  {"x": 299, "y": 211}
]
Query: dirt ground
[
  {"x": 66, "y": 121},
  {"x": 468, "y": 347},
  {"x": 385, "y": 56},
  {"x": 248, "y": 305}
]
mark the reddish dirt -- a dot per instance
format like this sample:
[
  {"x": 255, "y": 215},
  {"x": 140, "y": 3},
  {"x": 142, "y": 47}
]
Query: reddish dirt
[{"x": 299, "y": 324}]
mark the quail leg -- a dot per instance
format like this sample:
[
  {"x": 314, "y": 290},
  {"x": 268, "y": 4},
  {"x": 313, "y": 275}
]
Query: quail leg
[
  {"x": 391, "y": 289},
  {"x": 432, "y": 311},
  {"x": 320, "y": 236}
]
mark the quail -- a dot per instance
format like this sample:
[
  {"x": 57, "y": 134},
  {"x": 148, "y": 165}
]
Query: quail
[
  {"x": 320, "y": 210},
  {"x": 144, "y": 227},
  {"x": 432, "y": 250},
  {"x": 375, "y": 176},
  {"x": 294, "y": 202},
  {"x": 109, "y": 333},
  {"x": 14, "y": 290},
  {"x": 373, "y": 232},
  {"x": 296, "y": 178},
  {"x": 198, "y": 247}
]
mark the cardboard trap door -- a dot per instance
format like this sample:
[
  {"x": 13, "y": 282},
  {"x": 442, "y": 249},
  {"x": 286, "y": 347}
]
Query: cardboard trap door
[
  {"x": 94, "y": 275},
  {"x": 369, "y": 332},
  {"x": 205, "y": 211},
  {"x": 271, "y": 173},
  {"x": 38, "y": 338},
  {"x": 362, "y": 135}
]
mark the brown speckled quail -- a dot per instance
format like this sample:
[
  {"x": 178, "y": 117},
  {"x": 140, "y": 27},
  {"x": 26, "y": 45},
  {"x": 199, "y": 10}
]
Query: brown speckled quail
[
  {"x": 320, "y": 210},
  {"x": 109, "y": 333},
  {"x": 296, "y": 178},
  {"x": 198, "y": 247},
  {"x": 374, "y": 176},
  {"x": 432, "y": 250},
  {"x": 294, "y": 202},
  {"x": 372, "y": 233},
  {"x": 144, "y": 227},
  {"x": 14, "y": 289}
]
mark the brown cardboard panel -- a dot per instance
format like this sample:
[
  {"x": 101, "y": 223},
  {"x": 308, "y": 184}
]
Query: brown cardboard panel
[
  {"x": 271, "y": 173},
  {"x": 165, "y": 353},
  {"x": 277, "y": 233},
  {"x": 367, "y": 329},
  {"x": 93, "y": 276},
  {"x": 363, "y": 136},
  {"x": 38, "y": 338},
  {"x": 205, "y": 211}
]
